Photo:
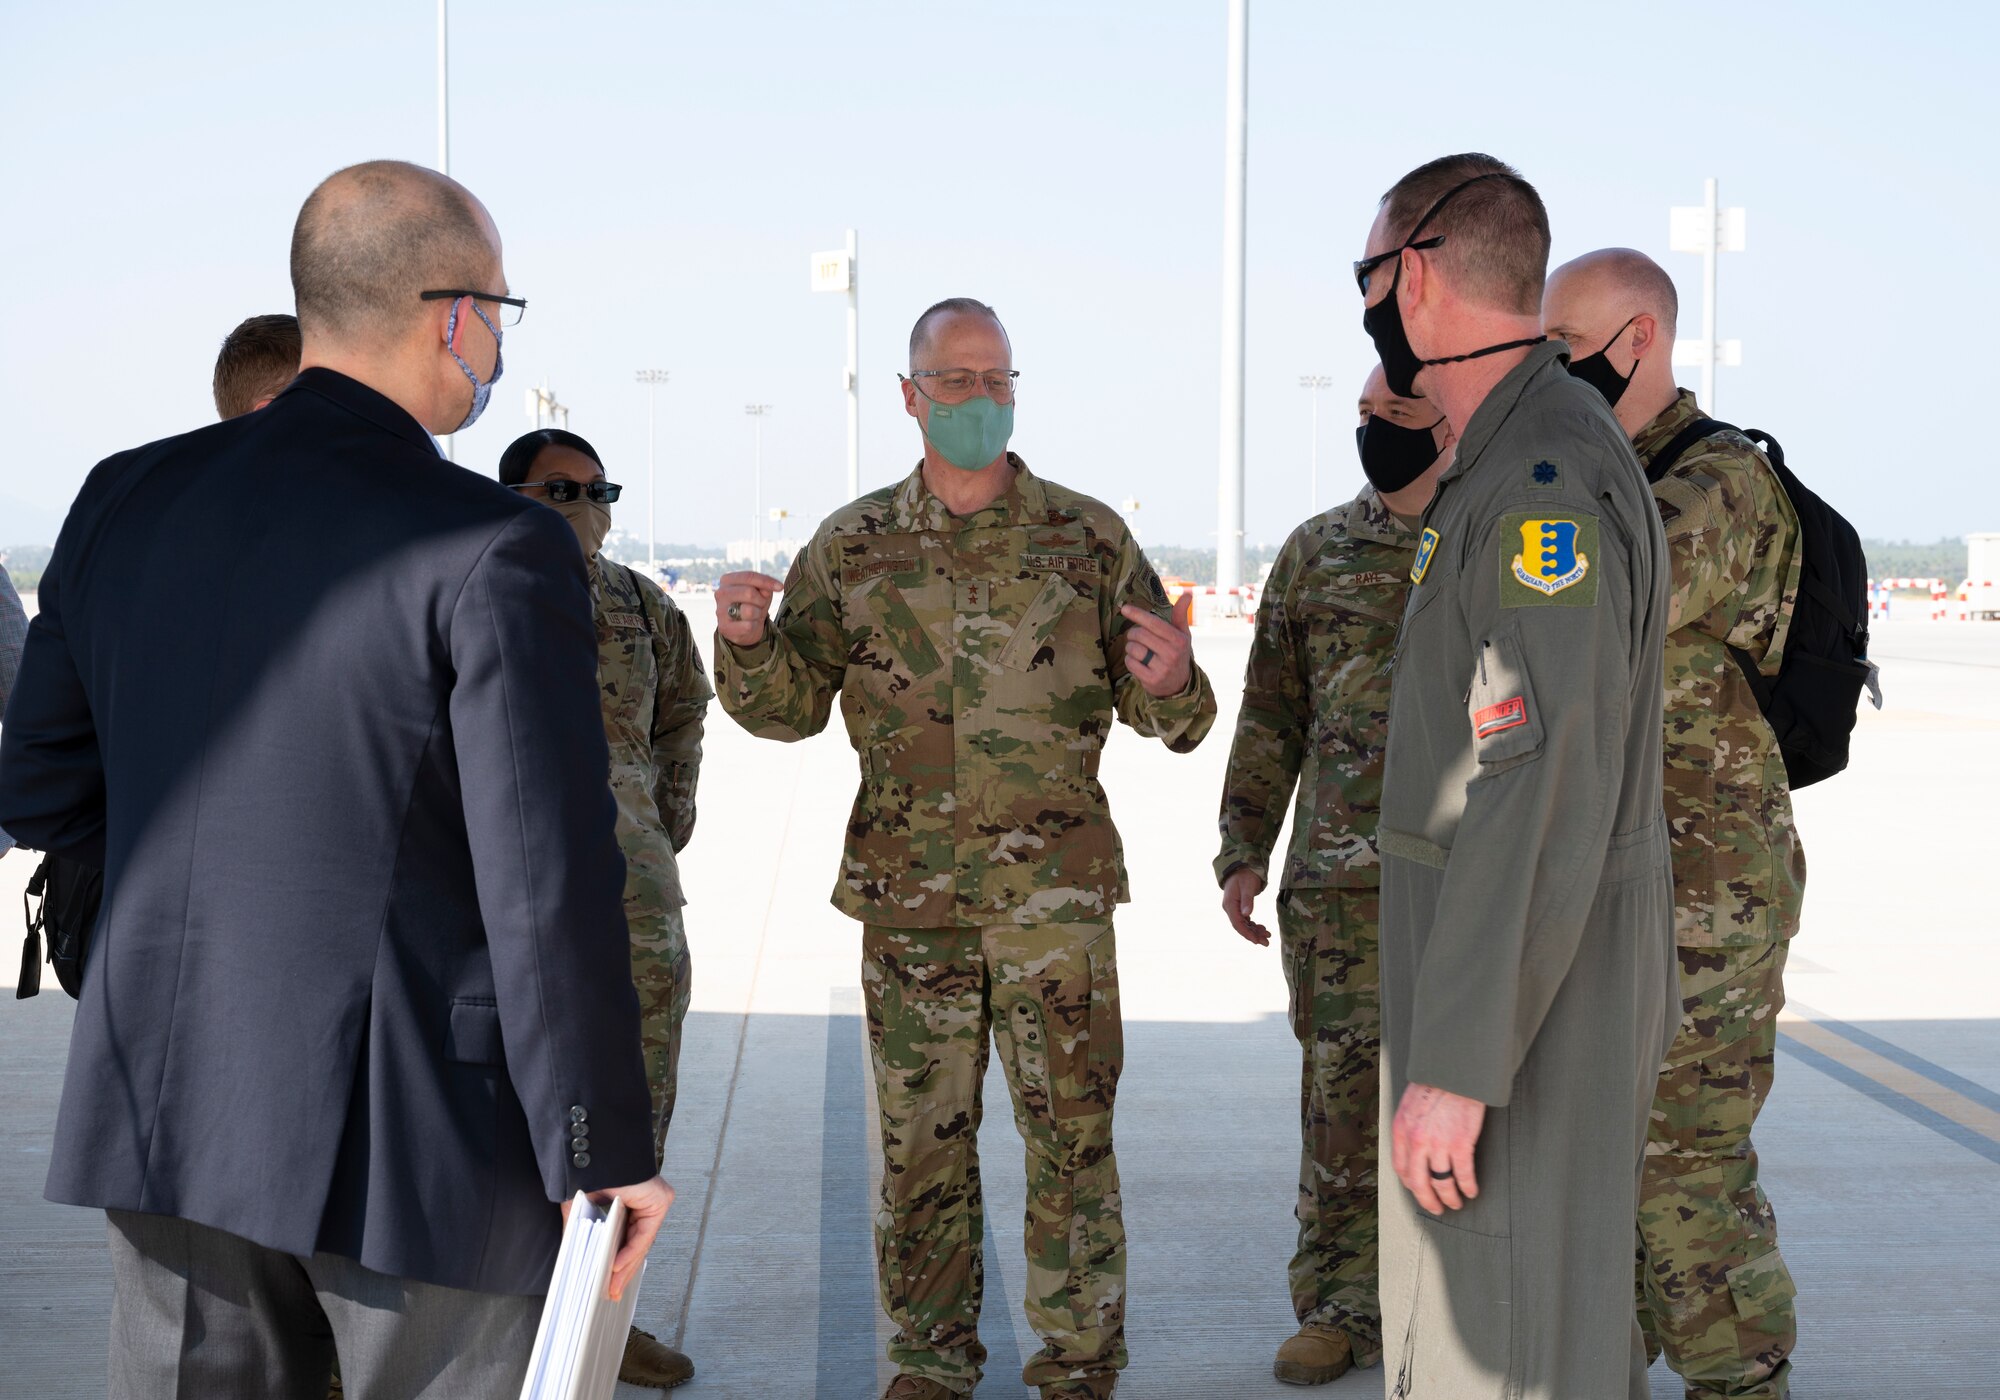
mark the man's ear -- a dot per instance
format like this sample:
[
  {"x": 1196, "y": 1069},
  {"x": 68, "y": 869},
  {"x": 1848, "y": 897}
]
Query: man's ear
[
  {"x": 1410, "y": 286},
  {"x": 1645, "y": 334},
  {"x": 909, "y": 389}
]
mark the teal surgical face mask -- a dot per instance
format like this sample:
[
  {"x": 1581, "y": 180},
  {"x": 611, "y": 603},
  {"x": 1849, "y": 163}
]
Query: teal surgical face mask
[{"x": 970, "y": 435}]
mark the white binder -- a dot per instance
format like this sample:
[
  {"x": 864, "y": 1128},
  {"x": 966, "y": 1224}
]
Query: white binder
[{"x": 581, "y": 1339}]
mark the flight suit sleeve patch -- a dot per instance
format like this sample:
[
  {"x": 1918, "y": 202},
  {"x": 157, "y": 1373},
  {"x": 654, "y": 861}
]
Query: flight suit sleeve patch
[
  {"x": 1548, "y": 559},
  {"x": 1500, "y": 703}
]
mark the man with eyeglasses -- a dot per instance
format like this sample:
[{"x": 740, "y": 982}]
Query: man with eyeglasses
[
  {"x": 1315, "y": 713},
  {"x": 981, "y": 629},
  {"x": 358, "y": 1012},
  {"x": 1527, "y": 959},
  {"x": 1715, "y": 1294},
  {"x": 654, "y": 695}
]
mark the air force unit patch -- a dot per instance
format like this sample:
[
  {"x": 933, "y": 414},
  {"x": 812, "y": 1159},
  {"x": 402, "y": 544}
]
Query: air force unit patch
[
  {"x": 1546, "y": 559},
  {"x": 1426, "y": 547}
]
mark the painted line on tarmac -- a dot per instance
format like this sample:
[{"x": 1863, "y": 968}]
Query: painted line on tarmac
[
  {"x": 1922, "y": 1095},
  {"x": 851, "y": 1323}
]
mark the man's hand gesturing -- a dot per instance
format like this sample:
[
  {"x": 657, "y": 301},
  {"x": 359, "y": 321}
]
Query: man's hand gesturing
[
  {"x": 743, "y": 606},
  {"x": 1160, "y": 654}
]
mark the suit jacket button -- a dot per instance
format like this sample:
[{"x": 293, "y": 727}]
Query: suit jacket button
[
  {"x": 581, "y": 1159},
  {"x": 577, "y": 1113},
  {"x": 579, "y": 1144}
]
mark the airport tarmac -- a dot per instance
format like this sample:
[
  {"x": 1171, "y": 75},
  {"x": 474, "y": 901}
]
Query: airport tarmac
[{"x": 1880, "y": 1146}]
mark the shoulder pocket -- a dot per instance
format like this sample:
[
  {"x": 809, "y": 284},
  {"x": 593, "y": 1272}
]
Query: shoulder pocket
[
  {"x": 1683, "y": 507},
  {"x": 1500, "y": 705},
  {"x": 1036, "y": 629}
]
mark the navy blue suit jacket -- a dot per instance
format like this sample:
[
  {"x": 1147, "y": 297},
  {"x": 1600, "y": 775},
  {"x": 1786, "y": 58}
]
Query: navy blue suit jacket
[{"x": 324, "y": 707}]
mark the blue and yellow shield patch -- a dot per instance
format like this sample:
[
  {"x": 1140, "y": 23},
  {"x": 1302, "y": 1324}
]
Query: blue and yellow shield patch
[
  {"x": 1426, "y": 547},
  {"x": 1547, "y": 559}
]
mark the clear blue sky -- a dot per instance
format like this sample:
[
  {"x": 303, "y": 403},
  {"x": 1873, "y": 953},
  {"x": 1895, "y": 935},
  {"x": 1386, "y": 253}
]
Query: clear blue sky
[{"x": 661, "y": 172}]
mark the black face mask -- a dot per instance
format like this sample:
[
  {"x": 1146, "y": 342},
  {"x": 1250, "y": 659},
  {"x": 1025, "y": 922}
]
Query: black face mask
[
  {"x": 1384, "y": 320},
  {"x": 1393, "y": 455},
  {"x": 1596, "y": 371}
]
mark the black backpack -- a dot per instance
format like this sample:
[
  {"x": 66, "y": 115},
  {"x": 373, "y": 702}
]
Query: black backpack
[
  {"x": 62, "y": 901},
  {"x": 1811, "y": 702}
]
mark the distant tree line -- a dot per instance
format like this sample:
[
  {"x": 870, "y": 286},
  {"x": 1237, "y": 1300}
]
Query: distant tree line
[
  {"x": 25, "y": 563},
  {"x": 1945, "y": 559}
]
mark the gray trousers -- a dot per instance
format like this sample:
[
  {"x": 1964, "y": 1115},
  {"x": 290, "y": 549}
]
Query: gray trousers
[{"x": 196, "y": 1311}]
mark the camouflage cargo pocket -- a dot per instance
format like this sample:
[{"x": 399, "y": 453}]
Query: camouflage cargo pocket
[
  {"x": 1761, "y": 1285},
  {"x": 898, "y": 640},
  {"x": 1034, "y": 640}
]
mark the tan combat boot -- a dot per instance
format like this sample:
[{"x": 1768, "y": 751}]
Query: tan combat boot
[
  {"x": 918, "y": 1388},
  {"x": 1096, "y": 1388},
  {"x": 1315, "y": 1356},
  {"x": 650, "y": 1362}
]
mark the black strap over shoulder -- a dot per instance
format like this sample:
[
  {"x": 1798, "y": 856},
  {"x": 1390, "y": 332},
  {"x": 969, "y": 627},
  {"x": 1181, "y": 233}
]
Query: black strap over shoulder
[{"x": 1681, "y": 441}]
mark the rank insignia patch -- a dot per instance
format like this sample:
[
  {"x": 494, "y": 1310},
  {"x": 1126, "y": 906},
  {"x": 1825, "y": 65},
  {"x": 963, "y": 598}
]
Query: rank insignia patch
[
  {"x": 1547, "y": 560},
  {"x": 1426, "y": 547},
  {"x": 1545, "y": 471}
]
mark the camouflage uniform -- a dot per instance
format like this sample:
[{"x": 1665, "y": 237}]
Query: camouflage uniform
[
  {"x": 1713, "y": 1291},
  {"x": 979, "y": 661},
  {"x": 1315, "y": 713},
  {"x": 655, "y": 694}
]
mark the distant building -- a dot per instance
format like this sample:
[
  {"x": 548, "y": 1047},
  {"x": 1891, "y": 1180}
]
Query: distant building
[{"x": 774, "y": 551}]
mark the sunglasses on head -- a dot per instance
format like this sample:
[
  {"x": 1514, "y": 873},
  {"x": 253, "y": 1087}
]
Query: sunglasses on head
[{"x": 563, "y": 492}]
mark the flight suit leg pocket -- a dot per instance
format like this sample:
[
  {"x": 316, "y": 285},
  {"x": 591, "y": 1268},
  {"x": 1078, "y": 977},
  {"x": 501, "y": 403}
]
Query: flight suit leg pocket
[{"x": 1500, "y": 704}]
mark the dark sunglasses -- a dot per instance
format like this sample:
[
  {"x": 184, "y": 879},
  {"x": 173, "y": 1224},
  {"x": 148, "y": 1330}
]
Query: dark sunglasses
[
  {"x": 1368, "y": 265},
  {"x": 563, "y": 492}
]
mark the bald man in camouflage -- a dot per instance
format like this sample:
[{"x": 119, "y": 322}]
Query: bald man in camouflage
[
  {"x": 981, "y": 628},
  {"x": 1714, "y": 1293}
]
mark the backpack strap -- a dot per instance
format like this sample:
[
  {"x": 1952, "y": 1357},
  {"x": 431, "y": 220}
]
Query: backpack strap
[{"x": 1681, "y": 441}]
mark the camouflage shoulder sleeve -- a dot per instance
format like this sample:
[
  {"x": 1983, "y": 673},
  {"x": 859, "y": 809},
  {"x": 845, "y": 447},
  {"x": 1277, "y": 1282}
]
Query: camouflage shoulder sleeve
[
  {"x": 1268, "y": 746},
  {"x": 1719, "y": 523},
  {"x": 679, "y": 712},
  {"x": 783, "y": 688},
  {"x": 1178, "y": 721}
]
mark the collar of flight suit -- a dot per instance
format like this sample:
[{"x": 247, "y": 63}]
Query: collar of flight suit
[
  {"x": 1499, "y": 405},
  {"x": 1648, "y": 441},
  {"x": 914, "y": 508}
]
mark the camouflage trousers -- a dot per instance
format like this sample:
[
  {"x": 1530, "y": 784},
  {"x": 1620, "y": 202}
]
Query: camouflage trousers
[
  {"x": 662, "y": 974},
  {"x": 1048, "y": 993},
  {"x": 1713, "y": 1292},
  {"x": 1329, "y": 941}
]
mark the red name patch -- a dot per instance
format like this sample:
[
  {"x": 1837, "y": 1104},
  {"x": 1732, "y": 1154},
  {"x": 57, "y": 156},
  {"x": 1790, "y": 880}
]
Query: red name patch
[{"x": 1496, "y": 718}]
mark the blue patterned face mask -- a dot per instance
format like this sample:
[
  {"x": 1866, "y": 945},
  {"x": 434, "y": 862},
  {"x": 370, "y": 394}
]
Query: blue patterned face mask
[{"x": 480, "y": 392}]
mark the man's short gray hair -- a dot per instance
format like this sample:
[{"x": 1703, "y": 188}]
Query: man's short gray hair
[
  {"x": 1496, "y": 248},
  {"x": 920, "y": 333},
  {"x": 373, "y": 236}
]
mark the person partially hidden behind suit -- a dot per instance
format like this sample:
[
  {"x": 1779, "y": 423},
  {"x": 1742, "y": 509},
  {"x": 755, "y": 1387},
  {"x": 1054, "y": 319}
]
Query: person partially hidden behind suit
[
  {"x": 359, "y": 1007},
  {"x": 257, "y": 360}
]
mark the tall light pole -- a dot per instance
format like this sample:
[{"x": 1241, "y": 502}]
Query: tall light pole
[
  {"x": 1708, "y": 230},
  {"x": 652, "y": 379},
  {"x": 449, "y": 442},
  {"x": 839, "y": 271},
  {"x": 1313, "y": 383},
  {"x": 757, "y": 412},
  {"x": 1235, "y": 166}
]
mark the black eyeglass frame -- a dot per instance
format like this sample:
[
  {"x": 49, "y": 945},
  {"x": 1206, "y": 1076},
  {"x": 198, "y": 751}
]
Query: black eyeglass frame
[
  {"x": 519, "y": 304},
  {"x": 1368, "y": 265},
  {"x": 562, "y": 491}
]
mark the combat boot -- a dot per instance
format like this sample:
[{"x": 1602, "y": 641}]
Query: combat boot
[
  {"x": 1095, "y": 1388},
  {"x": 918, "y": 1388},
  {"x": 650, "y": 1362},
  {"x": 1314, "y": 1356}
]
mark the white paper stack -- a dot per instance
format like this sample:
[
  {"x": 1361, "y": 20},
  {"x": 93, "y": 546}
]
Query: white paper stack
[{"x": 582, "y": 1334}]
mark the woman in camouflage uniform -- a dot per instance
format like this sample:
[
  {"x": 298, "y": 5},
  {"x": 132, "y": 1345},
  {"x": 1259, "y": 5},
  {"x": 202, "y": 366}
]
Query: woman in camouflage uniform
[{"x": 655, "y": 694}]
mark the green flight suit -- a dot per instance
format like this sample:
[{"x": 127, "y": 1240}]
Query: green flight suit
[{"x": 1527, "y": 906}]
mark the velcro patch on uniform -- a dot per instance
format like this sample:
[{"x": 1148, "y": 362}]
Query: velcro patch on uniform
[
  {"x": 1061, "y": 563},
  {"x": 861, "y": 570},
  {"x": 1508, "y": 714},
  {"x": 1548, "y": 559},
  {"x": 972, "y": 595},
  {"x": 1544, "y": 472},
  {"x": 1426, "y": 547},
  {"x": 631, "y": 622}
]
